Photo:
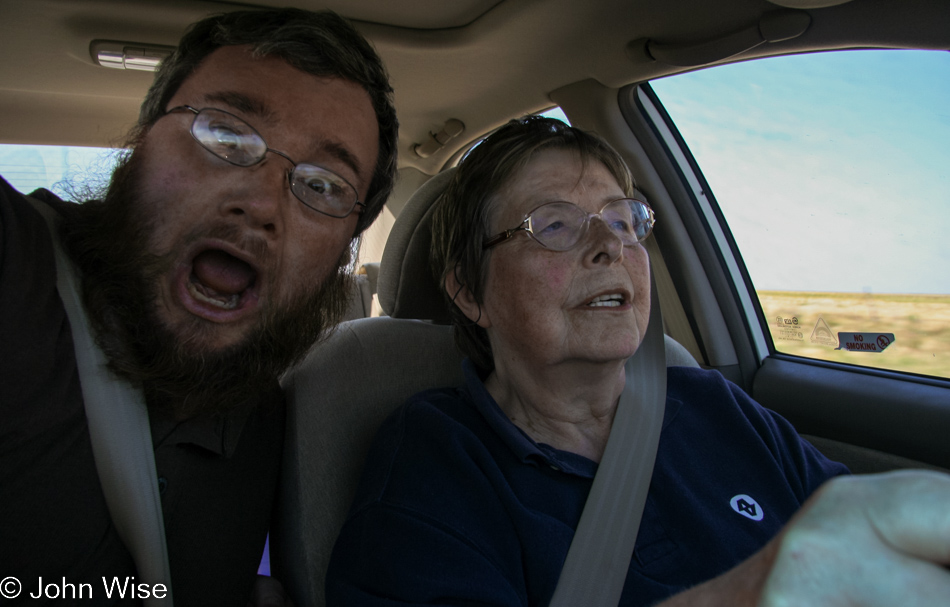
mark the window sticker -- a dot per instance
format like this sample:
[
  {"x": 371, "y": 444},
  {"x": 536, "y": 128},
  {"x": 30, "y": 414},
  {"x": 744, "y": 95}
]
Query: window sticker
[
  {"x": 788, "y": 329},
  {"x": 865, "y": 342},
  {"x": 822, "y": 334}
]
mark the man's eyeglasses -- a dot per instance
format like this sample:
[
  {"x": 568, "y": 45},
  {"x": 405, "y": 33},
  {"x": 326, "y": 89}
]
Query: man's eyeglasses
[
  {"x": 231, "y": 139},
  {"x": 559, "y": 226}
]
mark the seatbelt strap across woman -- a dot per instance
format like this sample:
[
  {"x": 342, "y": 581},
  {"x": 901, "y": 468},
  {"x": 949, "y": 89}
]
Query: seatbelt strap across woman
[{"x": 598, "y": 559}]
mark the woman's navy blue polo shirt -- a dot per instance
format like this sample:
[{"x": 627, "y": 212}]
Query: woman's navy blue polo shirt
[{"x": 457, "y": 506}]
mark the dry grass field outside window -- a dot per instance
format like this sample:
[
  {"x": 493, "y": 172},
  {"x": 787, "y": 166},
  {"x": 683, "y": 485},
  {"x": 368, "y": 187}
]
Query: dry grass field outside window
[{"x": 920, "y": 324}]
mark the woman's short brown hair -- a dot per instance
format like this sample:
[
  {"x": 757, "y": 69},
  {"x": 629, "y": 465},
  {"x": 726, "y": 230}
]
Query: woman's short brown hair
[{"x": 461, "y": 221}]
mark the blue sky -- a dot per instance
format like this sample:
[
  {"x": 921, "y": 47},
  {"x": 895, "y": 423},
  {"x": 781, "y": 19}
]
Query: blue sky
[{"x": 832, "y": 169}]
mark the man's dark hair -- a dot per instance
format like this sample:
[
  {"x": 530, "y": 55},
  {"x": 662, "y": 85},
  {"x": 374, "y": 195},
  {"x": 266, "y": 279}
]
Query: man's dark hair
[
  {"x": 462, "y": 218},
  {"x": 319, "y": 43}
]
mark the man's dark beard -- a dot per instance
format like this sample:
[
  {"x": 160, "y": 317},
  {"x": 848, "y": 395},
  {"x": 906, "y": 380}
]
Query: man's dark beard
[{"x": 108, "y": 240}]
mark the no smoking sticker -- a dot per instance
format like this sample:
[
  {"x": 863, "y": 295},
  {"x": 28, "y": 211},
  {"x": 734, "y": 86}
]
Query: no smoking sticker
[{"x": 865, "y": 342}]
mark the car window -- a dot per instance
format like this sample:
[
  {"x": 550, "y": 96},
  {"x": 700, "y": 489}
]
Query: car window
[
  {"x": 556, "y": 112},
  {"x": 30, "y": 167},
  {"x": 831, "y": 172}
]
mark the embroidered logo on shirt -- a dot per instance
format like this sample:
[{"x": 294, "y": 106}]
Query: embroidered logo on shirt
[{"x": 747, "y": 507}]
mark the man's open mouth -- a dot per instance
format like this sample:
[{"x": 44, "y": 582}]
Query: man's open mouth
[{"x": 219, "y": 282}]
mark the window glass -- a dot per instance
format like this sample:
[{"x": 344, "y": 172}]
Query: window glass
[
  {"x": 29, "y": 167},
  {"x": 556, "y": 112},
  {"x": 831, "y": 171}
]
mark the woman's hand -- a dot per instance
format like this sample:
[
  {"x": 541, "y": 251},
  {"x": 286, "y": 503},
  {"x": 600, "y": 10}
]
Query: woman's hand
[{"x": 867, "y": 540}]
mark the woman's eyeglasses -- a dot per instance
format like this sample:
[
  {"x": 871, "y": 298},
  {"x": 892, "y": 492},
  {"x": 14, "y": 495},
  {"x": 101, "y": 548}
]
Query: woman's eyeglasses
[{"x": 559, "y": 226}]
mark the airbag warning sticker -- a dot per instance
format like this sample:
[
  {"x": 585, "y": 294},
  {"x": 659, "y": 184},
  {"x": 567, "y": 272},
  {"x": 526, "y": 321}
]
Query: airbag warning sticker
[{"x": 864, "y": 342}]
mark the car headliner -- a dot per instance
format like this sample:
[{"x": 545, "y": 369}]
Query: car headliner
[{"x": 478, "y": 61}]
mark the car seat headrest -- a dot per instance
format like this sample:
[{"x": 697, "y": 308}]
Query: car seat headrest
[{"x": 406, "y": 287}]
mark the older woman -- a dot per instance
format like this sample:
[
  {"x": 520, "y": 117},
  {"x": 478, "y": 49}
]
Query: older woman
[{"x": 472, "y": 494}]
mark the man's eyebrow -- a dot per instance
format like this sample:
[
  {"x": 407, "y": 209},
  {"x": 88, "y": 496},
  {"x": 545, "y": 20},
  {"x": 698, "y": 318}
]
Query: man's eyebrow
[
  {"x": 240, "y": 102},
  {"x": 341, "y": 153}
]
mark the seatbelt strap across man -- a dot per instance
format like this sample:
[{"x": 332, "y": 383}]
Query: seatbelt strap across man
[
  {"x": 598, "y": 559},
  {"x": 120, "y": 433}
]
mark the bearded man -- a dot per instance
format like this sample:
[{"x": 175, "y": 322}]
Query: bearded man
[{"x": 218, "y": 256}]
